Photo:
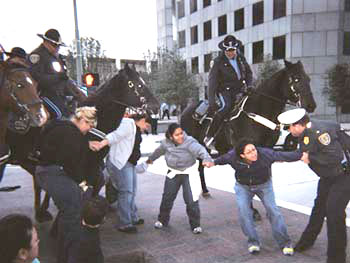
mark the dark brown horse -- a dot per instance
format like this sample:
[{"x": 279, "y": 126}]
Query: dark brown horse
[
  {"x": 18, "y": 94},
  {"x": 290, "y": 85},
  {"x": 125, "y": 89}
]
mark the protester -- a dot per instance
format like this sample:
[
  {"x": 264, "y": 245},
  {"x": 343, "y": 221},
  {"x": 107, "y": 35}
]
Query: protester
[
  {"x": 324, "y": 154},
  {"x": 87, "y": 249},
  {"x": 252, "y": 167},
  {"x": 19, "y": 241},
  {"x": 181, "y": 152},
  {"x": 61, "y": 169},
  {"x": 124, "y": 153}
]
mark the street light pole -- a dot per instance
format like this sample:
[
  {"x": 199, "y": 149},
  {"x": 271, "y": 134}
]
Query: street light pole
[{"x": 78, "y": 46}]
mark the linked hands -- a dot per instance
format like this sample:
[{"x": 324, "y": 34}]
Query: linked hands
[
  {"x": 305, "y": 158},
  {"x": 208, "y": 164},
  {"x": 96, "y": 145}
]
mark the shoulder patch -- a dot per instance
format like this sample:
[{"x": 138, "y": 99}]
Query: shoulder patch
[
  {"x": 34, "y": 58},
  {"x": 324, "y": 138}
]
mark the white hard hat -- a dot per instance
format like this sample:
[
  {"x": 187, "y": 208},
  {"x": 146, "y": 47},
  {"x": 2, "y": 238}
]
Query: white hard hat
[{"x": 291, "y": 116}]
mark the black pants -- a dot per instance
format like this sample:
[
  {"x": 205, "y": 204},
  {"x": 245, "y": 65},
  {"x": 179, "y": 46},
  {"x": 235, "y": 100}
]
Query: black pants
[
  {"x": 166, "y": 112},
  {"x": 171, "y": 187},
  {"x": 154, "y": 124},
  {"x": 333, "y": 195},
  {"x": 68, "y": 198}
]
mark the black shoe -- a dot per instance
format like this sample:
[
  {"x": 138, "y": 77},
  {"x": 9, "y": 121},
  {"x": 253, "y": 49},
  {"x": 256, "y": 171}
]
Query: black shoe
[
  {"x": 300, "y": 247},
  {"x": 141, "y": 221},
  {"x": 128, "y": 229}
]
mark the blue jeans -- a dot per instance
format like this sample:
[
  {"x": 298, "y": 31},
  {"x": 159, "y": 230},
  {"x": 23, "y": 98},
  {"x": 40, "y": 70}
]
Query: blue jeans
[
  {"x": 126, "y": 181},
  {"x": 244, "y": 196}
]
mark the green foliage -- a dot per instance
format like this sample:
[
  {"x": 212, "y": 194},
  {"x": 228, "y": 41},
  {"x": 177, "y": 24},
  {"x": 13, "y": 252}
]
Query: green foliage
[
  {"x": 337, "y": 85},
  {"x": 170, "y": 81},
  {"x": 267, "y": 68}
]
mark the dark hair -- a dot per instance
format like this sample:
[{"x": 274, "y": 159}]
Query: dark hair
[
  {"x": 303, "y": 121},
  {"x": 15, "y": 233},
  {"x": 171, "y": 129},
  {"x": 139, "y": 116},
  {"x": 94, "y": 210},
  {"x": 241, "y": 144}
]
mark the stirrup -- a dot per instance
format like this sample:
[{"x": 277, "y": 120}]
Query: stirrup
[{"x": 4, "y": 159}]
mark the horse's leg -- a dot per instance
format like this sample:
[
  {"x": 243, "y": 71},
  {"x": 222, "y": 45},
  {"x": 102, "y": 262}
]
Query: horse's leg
[{"x": 205, "y": 191}]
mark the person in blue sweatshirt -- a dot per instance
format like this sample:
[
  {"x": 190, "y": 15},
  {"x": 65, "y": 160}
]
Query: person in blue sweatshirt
[{"x": 253, "y": 177}]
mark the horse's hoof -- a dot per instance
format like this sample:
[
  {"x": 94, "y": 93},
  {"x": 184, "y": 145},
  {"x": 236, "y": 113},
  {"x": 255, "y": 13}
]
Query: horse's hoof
[
  {"x": 256, "y": 215},
  {"x": 43, "y": 216}
]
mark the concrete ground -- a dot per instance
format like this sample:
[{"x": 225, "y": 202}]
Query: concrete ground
[{"x": 221, "y": 241}]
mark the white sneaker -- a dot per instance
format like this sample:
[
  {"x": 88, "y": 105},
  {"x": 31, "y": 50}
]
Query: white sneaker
[
  {"x": 197, "y": 230},
  {"x": 288, "y": 250},
  {"x": 158, "y": 225},
  {"x": 254, "y": 249}
]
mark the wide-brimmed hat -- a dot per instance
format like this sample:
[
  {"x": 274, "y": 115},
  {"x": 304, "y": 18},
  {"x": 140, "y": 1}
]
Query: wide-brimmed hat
[
  {"x": 229, "y": 43},
  {"x": 17, "y": 52},
  {"x": 53, "y": 36},
  {"x": 291, "y": 116}
]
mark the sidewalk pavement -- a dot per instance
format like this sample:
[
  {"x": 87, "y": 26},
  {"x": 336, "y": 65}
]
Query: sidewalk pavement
[{"x": 221, "y": 241}]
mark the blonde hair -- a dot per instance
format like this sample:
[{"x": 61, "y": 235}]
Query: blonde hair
[{"x": 87, "y": 113}]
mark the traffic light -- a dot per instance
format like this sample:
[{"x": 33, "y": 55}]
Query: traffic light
[{"x": 91, "y": 79}]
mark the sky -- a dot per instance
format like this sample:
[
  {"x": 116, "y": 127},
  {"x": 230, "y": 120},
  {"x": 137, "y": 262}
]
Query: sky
[{"x": 126, "y": 29}]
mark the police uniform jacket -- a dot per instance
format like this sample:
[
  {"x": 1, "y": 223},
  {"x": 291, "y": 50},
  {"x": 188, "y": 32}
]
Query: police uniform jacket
[
  {"x": 50, "y": 81},
  {"x": 320, "y": 140},
  {"x": 257, "y": 172},
  {"x": 63, "y": 144},
  {"x": 223, "y": 76}
]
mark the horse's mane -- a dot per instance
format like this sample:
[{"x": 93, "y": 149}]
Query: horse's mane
[{"x": 267, "y": 82}]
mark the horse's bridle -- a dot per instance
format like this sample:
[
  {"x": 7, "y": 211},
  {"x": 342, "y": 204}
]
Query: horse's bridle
[{"x": 23, "y": 107}]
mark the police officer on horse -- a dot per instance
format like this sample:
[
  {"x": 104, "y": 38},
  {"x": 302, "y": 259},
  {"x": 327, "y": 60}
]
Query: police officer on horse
[
  {"x": 49, "y": 70},
  {"x": 229, "y": 77}
]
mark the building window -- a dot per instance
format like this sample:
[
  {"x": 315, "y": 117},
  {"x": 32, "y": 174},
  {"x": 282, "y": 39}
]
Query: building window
[
  {"x": 207, "y": 59},
  {"x": 207, "y": 30},
  {"x": 239, "y": 19},
  {"x": 194, "y": 35},
  {"x": 194, "y": 63},
  {"x": 346, "y": 47},
  {"x": 258, "y": 13},
  {"x": 181, "y": 8},
  {"x": 222, "y": 25},
  {"x": 206, "y": 3},
  {"x": 347, "y": 5},
  {"x": 279, "y": 8},
  {"x": 258, "y": 52},
  {"x": 193, "y": 6},
  {"x": 182, "y": 38},
  {"x": 241, "y": 49},
  {"x": 279, "y": 47}
]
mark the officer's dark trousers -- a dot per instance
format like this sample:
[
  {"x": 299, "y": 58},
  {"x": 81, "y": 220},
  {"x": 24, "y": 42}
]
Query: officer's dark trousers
[
  {"x": 227, "y": 99},
  {"x": 67, "y": 197},
  {"x": 171, "y": 187},
  {"x": 56, "y": 107},
  {"x": 333, "y": 195}
]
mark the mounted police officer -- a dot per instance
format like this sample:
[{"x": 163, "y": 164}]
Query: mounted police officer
[
  {"x": 321, "y": 141},
  {"x": 229, "y": 77},
  {"x": 17, "y": 57},
  {"x": 49, "y": 70}
]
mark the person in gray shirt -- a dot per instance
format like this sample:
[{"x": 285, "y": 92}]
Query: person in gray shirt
[{"x": 181, "y": 153}]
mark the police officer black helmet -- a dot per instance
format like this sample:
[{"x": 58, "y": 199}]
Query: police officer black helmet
[
  {"x": 53, "y": 36},
  {"x": 229, "y": 43},
  {"x": 17, "y": 52}
]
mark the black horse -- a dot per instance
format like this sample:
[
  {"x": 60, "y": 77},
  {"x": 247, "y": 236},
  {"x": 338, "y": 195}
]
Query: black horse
[
  {"x": 289, "y": 85},
  {"x": 125, "y": 89}
]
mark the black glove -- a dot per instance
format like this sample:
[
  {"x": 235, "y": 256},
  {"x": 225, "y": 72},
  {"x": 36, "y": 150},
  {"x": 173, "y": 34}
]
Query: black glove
[{"x": 250, "y": 90}]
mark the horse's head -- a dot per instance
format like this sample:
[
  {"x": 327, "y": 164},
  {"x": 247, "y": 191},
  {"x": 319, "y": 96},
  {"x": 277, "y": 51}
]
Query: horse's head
[
  {"x": 19, "y": 92},
  {"x": 298, "y": 86},
  {"x": 134, "y": 91}
]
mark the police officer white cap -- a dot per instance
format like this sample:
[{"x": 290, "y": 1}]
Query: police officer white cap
[{"x": 291, "y": 116}]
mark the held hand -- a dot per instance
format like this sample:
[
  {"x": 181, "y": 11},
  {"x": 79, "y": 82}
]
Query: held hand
[
  {"x": 149, "y": 161},
  {"x": 208, "y": 164},
  {"x": 96, "y": 145},
  {"x": 305, "y": 158}
]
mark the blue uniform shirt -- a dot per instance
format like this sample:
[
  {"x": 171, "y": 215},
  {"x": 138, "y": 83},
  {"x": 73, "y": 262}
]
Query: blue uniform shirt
[{"x": 234, "y": 64}]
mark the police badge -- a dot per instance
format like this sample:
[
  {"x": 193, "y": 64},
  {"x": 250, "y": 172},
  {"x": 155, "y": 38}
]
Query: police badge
[
  {"x": 306, "y": 140},
  {"x": 324, "y": 138}
]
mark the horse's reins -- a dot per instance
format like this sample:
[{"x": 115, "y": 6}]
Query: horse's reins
[
  {"x": 274, "y": 98},
  {"x": 24, "y": 107}
]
